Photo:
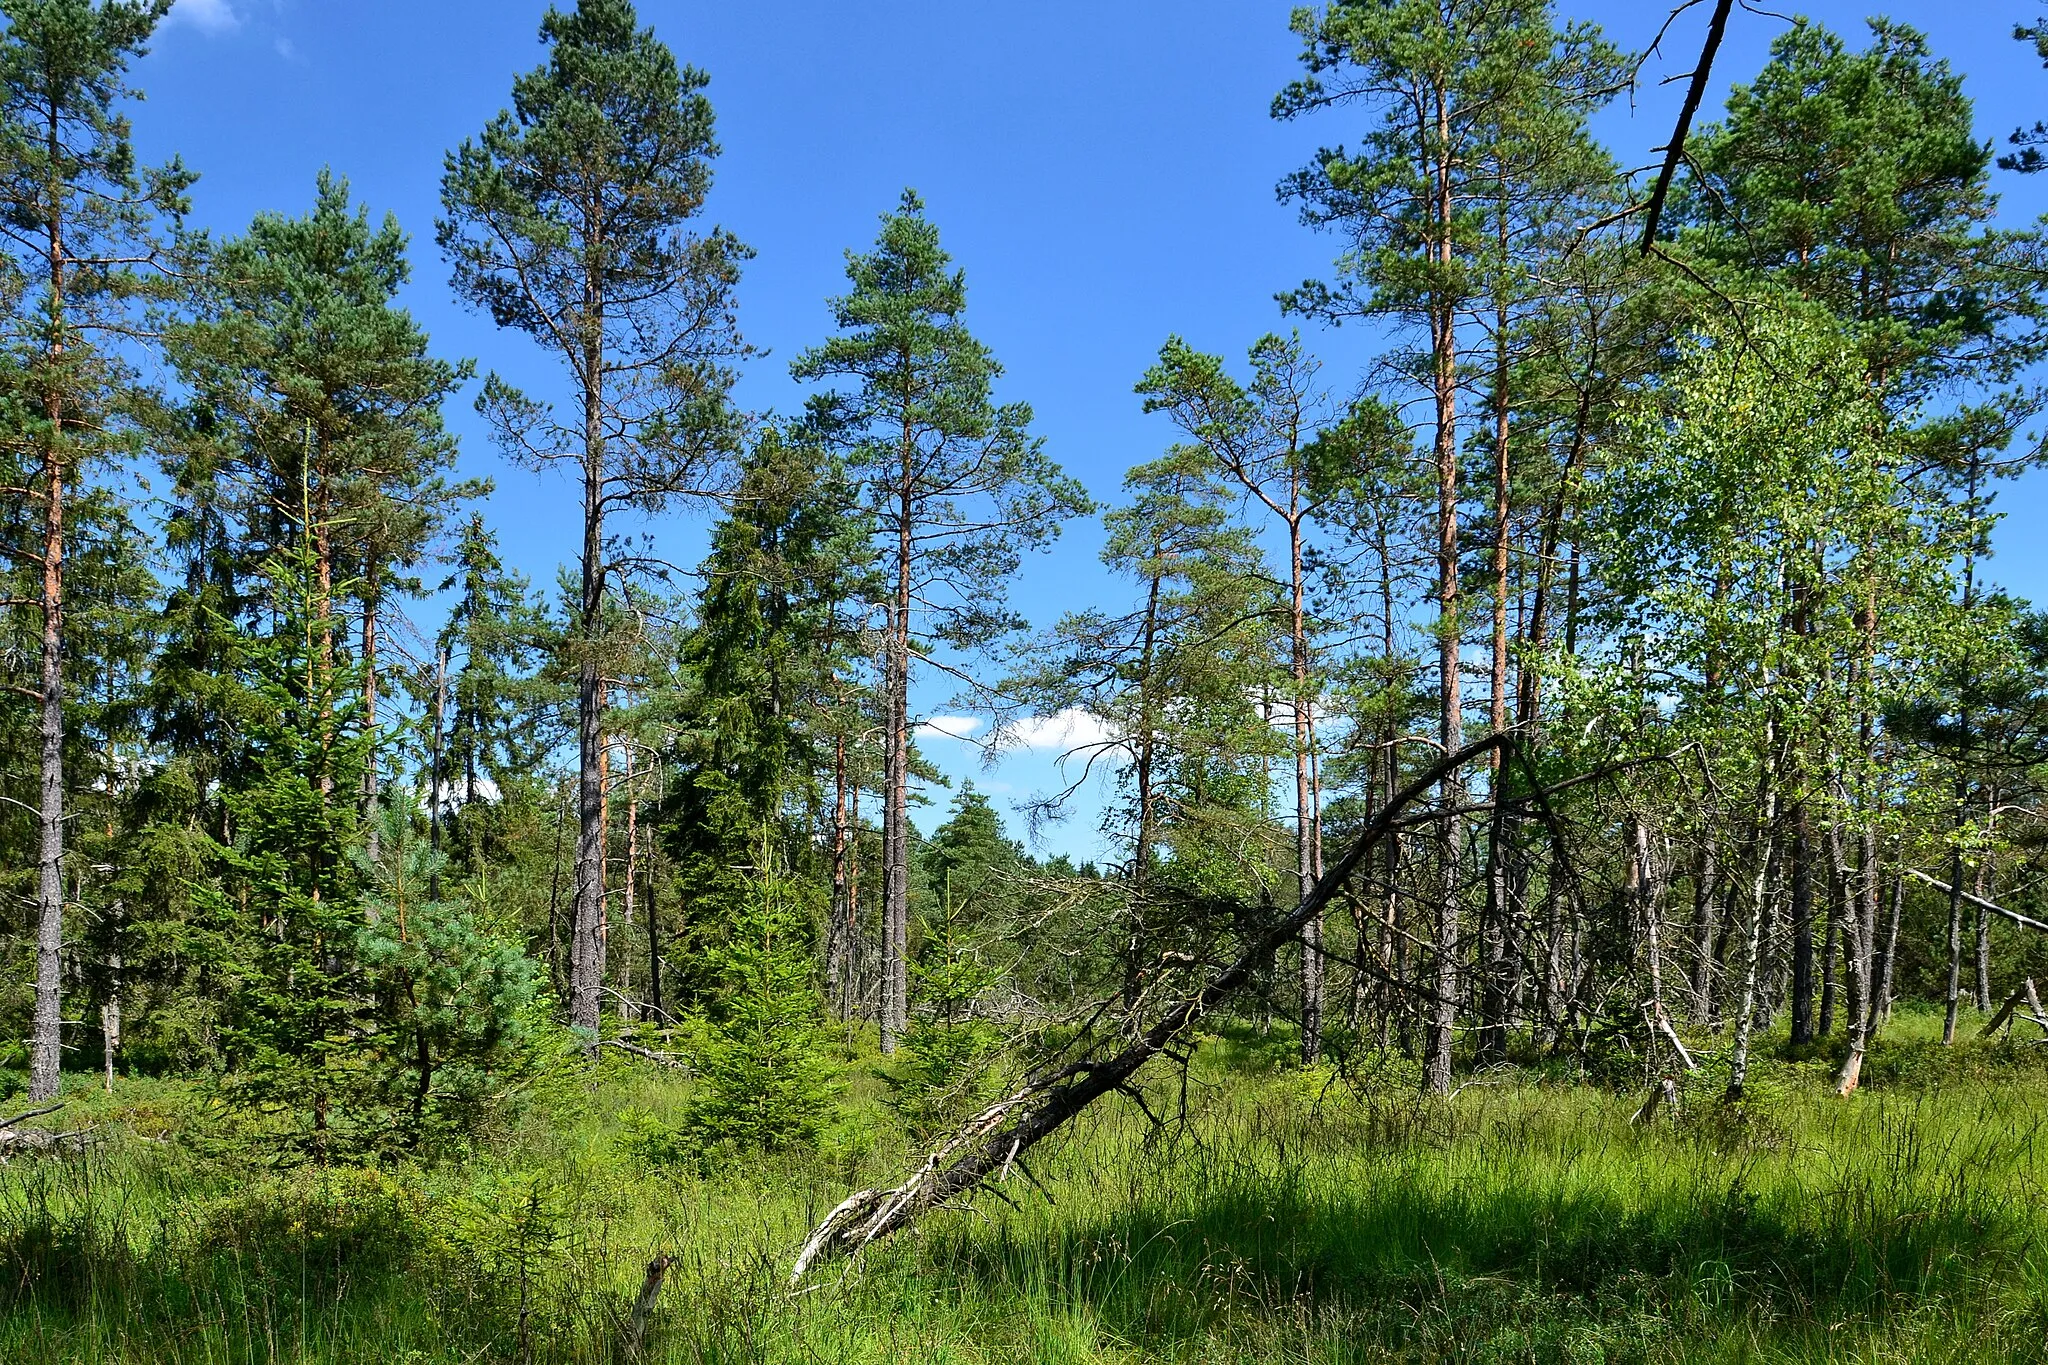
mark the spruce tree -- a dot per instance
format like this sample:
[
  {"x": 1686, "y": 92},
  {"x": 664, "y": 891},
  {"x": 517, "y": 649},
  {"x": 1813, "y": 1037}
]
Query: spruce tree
[
  {"x": 765, "y": 1085},
  {"x": 281, "y": 916},
  {"x": 758, "y": 672},
  {"x": 491, "y": 629},
  {"x": 570, "y": 218},
  {"x": 972, "y": 873}
]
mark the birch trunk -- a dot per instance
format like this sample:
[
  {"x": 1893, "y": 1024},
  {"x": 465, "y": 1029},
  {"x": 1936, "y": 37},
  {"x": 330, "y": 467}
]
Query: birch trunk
[{"x": 1766, "y": 873}]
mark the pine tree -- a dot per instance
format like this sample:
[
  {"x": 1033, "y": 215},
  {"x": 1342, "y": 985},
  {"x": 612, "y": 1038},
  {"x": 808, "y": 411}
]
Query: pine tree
[
  {"x": 302, "y": 367},
  {"x": 1262, "y": 437},
  {"x": 1856, "y": 180},
  {"x": 956, "y": 489},
  {"x": 79, "y": 222},
  {"x": 452, "y": 989},
  {"x": 1158, "y": 678},
  {"x": 569, "y": 218},
  {"x": 1450, "y": 87}
]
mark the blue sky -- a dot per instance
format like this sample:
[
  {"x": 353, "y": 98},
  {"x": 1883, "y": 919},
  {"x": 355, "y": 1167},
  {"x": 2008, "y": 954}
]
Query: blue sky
[{"x": 1104, "y": 172}]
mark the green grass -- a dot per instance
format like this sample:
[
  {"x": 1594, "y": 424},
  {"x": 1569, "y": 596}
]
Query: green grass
[{"x": 1289, "y": 1220}]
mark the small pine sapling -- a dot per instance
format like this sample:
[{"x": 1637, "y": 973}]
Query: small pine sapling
[{"x": 456, "y": 995}]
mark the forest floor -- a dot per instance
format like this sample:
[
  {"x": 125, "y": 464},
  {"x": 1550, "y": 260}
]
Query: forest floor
[{"x": 1292, "y": 1217}]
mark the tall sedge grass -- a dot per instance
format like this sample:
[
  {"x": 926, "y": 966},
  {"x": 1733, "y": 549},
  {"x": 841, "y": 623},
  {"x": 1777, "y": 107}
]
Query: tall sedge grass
[{"x": 1287, "y": 1219}]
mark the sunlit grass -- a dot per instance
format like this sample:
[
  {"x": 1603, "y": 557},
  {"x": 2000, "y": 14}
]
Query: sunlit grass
[{"x": 1288, "y": 1219}]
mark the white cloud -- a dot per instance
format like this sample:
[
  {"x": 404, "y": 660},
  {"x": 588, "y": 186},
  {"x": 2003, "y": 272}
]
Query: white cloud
[
  {"x": 208, "y": 16},
  {"x": 948, "y": 727},
  {"x": 1282, "y": 711},
  {"x": 1072, "y": 728}
]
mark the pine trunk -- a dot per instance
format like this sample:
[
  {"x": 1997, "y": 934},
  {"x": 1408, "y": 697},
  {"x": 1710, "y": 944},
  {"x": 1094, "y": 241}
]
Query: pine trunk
[
  {"x": 45, "y": 1036},
  {"x": 839, "y": 934},
  {"x": 895, "y": 1006},
  {"x": 370, "y": 780},
  {"x": 586, "y": 958},
  {"x": 1443, "y": 1013},
  {"x": 1306, "y": 816}
]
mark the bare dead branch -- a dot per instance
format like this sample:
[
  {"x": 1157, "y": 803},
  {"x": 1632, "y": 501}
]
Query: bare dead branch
[
  {"x": 1673, "y": 150},
  {"x": 2015, "y": 916},
  {"x": 999, "y": 1135}
]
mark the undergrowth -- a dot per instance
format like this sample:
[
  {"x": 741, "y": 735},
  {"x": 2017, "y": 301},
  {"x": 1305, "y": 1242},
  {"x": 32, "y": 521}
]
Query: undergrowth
[{"x": 1278, "y": 1216}]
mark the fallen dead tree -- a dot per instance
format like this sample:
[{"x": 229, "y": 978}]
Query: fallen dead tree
[
  {"x": 16, "y": 1140},
  {"x": 997, "y": 1138},
  {"x": 2010, "y": 1010}
]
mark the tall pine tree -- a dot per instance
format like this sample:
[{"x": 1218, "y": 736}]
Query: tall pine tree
[
  {"x": 78, "y": 218},
  {"x": 570, "y": 218},
  {"x": 956, "y": 488}
]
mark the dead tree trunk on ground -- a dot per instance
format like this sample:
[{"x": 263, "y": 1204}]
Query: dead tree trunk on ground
[{"x": 989, "y": 1143}]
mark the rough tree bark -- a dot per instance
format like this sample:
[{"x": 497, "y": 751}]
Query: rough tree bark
[
  {"x": 895, "y": 1004},
  {"x": 46, "y": 1043},
  {"x": 586, "y": 953},
  {"x": 839, "y": 932},
  {"x": 1443, "y": 1016}
]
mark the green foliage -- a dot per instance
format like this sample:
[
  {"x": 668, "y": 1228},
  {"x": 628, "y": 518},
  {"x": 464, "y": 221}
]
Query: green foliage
[
  {"x": 302, "y": 367},
  {"x": 455, "y": 993},
  {"x": 493, "y": 630},
  {"x": 948, "y": 1062},
  {"x": 610, "y": 120},
  {"x": 1744, "y": 525},
  {"x": 765, "y": 1086},
  {"x": 953, "y": 479},
  {"x": 69, "y": 160},
  {"x": 759, "y": 684},
  {"x": 1519, "y": 1223},
  {"x": 973, "y": 918},
  {"x": 1857, "y": 180},
  {"x": 280, "y": 924},
  {"x": 1510, "y": 90}
]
